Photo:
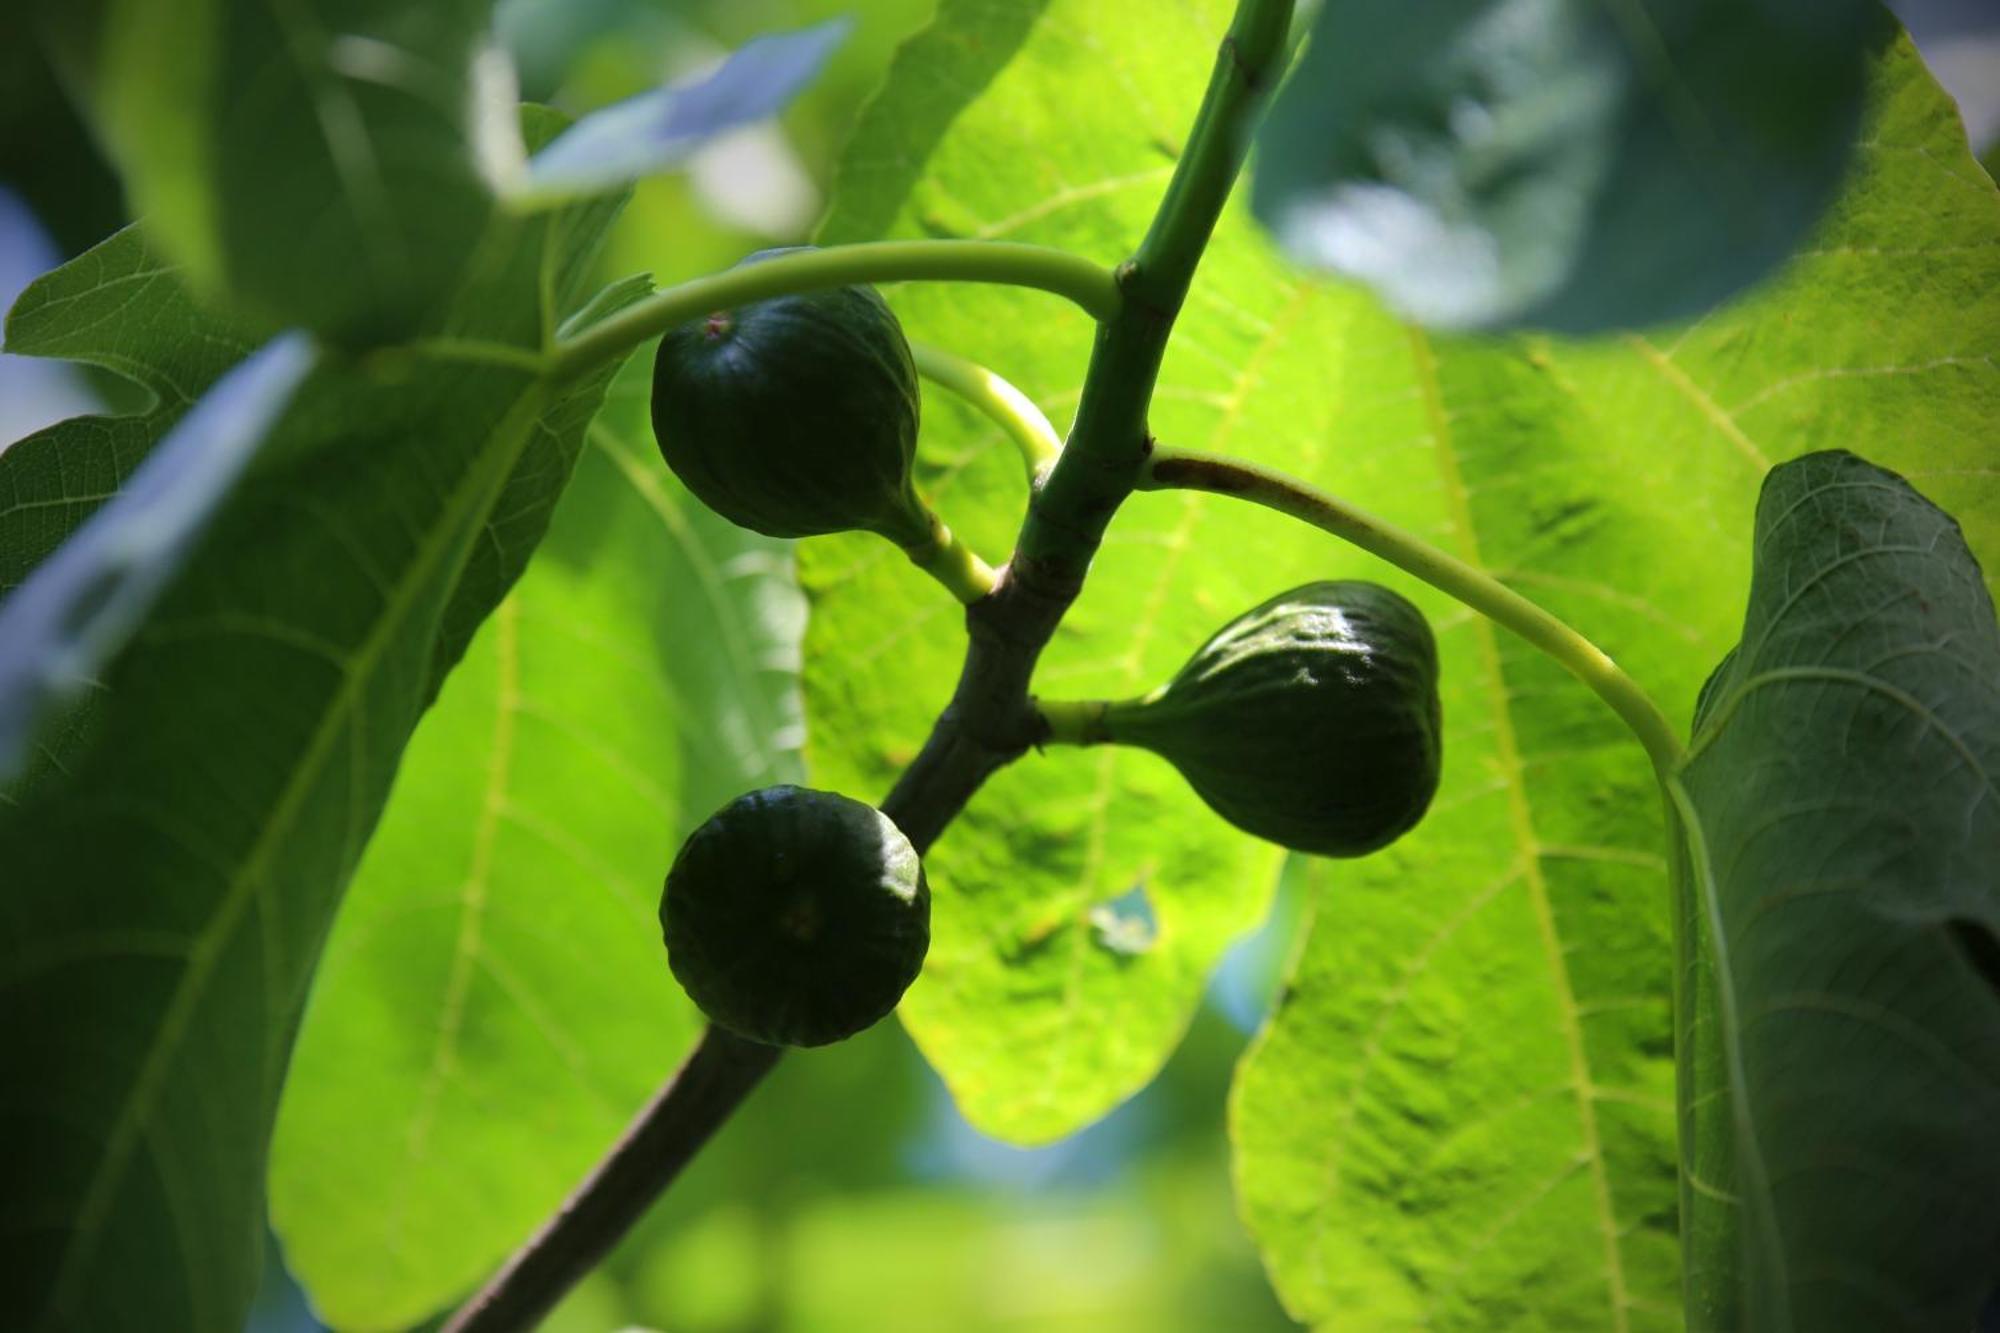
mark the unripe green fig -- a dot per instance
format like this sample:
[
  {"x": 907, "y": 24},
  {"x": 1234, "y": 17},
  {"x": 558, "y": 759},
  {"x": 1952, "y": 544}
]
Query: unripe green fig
[
  {"x": 795, "y": 416},
  {"x": 796, "y": 917},
  {"x": 1311, "y": 721}
]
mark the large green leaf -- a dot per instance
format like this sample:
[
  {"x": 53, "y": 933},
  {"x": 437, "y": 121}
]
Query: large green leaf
[
  {"x": 170, "y": 880},
  {"x": 494, "y": 1004},
  {"x": 1460, "y": 1113},
  {"x": 319, "y": 161},
  {"x": 1563, "y": 164},
  {"x": 1464, "y": 1104},
  {"x": 1842, "y": 798}
]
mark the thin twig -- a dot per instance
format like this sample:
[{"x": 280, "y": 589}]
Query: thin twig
[
  {"x": 709, "y": 1085},
  {"x": 1188, "y": 470}
]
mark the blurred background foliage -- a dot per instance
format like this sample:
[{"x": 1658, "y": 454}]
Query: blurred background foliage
[{"x": 849, "y": 1194}]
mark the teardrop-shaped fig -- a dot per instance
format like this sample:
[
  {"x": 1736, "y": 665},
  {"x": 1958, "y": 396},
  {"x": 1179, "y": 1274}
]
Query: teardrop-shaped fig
[{"x": 1311, "y": 720}]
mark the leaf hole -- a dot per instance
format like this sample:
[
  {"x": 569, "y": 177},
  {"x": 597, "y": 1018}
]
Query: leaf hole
[
  {"x": 1977, "y": 944},
  {"x": 1126, "y": 926}
]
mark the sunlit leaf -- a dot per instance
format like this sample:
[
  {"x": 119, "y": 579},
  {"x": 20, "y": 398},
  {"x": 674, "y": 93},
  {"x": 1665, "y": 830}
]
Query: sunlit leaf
[
  {"x": 1463, "y": 1109},
  {"x": 1039, "y": 1019},
  {"x": 495, "y": 1003},
  {"x": 1461, "y": 1113}
]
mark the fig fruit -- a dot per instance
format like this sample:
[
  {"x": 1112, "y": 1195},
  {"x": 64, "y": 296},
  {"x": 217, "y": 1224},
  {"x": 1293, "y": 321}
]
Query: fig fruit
[
  {"x": 1311, "y": 721},
  {"x": 796, "y": 917},
  {"x": 795, "y": 416}
]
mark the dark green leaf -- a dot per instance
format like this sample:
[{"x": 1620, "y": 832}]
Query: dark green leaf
[
  {"x": 119, "y": 306},
  {"x": 76, "y": 609},
  {"x": 1564, "y": 164},
  {"x": 317, "y": 160},
  {"x": 1842, "y": 806},
  {"x": 47, "y": 156},
  {"x": 171, "y": 876}
]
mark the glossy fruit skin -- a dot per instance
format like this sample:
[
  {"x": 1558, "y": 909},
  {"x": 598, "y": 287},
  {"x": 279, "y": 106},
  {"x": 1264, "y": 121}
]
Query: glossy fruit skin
[
  {"x": 795, "y": 416},
  {"x": 796, "y": 917},
  {"x": 1311, "y": 721}
]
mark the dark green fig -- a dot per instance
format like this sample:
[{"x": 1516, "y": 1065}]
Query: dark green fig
[
  {"x": 1311, "y": 721},
  {"x": 796, "y": 917},
  {"x": 795, "y": 416}
]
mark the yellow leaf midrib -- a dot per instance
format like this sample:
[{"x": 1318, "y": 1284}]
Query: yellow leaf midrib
[{"x": 1521, "y": 819}]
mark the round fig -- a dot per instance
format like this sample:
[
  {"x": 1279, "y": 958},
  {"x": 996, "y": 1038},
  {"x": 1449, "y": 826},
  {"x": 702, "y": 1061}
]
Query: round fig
[
  {"x": 795, "y": 416},
  {"x": 796, "y": 917},
  {"x": 1311, "y": 721}
]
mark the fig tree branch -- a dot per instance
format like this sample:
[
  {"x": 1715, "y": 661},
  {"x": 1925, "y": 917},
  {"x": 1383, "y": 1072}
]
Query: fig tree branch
[
  {"x": 1089, "y": 285},
  {"x": 990, "y": 719},
  {"x": 1175, "y": 469},
  {"x": 703, "y": 1092}
]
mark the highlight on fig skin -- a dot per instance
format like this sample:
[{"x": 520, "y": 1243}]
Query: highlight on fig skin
[{"x": 1311, "y": 720}]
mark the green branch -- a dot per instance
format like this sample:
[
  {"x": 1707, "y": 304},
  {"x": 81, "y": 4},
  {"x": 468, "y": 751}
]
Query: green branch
[
  {"x": 1173, "y": 469},
  {"x": 951, "y": 562},
  {"x": 1107, "y": 445},
  {"x": 1074, "y": 721},
  {"x": 1246, "y": 67},
  {"x": 1005, "y": 405},
  {"x": 1089, "y": 285},
  {"x": 990, "y": 720}
]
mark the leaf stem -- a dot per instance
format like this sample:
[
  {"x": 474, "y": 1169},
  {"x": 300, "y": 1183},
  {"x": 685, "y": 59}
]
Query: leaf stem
[
  {"x": 1074, "y": 721},
  {"x": 1010, "y": 409},
  {"x": 1108, "y": 444},
  {"x": 954, "y": 564},
  {"x": 1174, "y": 469},
  {"x": 703, "y": 1092},
  {"x": 1089, "y": 285}
]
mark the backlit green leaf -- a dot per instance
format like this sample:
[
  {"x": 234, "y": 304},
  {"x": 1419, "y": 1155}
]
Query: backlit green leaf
[
  {"x": 1842, "y": 800},
  {"x": 1037, "y": 1017},
  {"x": 495, "y": 1003},
  {"x": 1460, "y": 1115},
  {"x": 1463, "y": 1109}
]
